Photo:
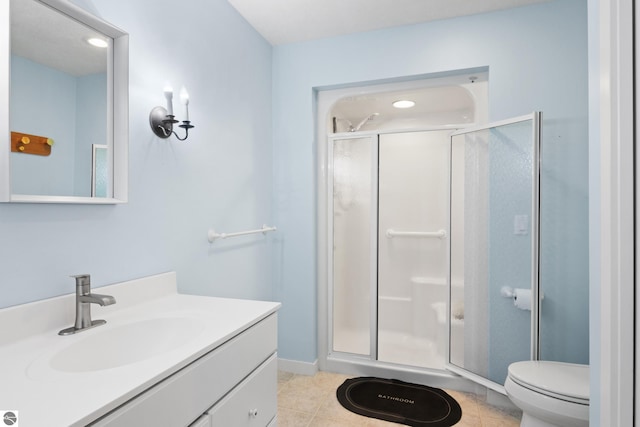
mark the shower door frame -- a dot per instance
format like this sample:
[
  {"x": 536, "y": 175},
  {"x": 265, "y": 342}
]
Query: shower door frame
[
  {"x": 372, "y": 357},
  {"x": 536, "y": 119}
]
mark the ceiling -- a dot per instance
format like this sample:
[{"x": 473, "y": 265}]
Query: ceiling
[
  {"x": 279, "y": 21},
  {"x": 291, "y": 21},
  {"x": 371, "y": 111},
  {"x": 445, "y": 101},
  {"x": 55, "y": 40}
]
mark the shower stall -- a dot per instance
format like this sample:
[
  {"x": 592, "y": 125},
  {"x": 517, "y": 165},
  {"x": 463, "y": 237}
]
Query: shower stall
[
  {"x": 430, "y": 230},
  {"x": 390, "y": 218}
]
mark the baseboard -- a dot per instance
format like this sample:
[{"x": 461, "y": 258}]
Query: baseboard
[{"x": 297, "y": 367}]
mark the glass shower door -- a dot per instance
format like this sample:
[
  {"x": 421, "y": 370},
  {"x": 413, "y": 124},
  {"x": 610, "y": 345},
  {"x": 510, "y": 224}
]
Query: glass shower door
[
  {"x": 494, "y": 304},
  {"x": 353, "y": 203},
  {"x": 389, "y": 216}
]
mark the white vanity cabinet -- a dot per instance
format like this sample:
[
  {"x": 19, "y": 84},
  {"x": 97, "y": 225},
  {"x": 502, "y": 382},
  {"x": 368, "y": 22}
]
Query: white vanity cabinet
[{"x": 234, "y": 384}]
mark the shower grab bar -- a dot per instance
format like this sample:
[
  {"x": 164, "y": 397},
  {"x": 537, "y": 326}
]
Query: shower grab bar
[
  {"x": 391, "y": 233},
  {"x": 213, "y": 236}
]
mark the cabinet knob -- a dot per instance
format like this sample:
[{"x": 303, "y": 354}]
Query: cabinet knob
[{"x": 253, "y": 413}]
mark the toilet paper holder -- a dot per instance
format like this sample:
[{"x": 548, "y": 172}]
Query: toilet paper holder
[{"x": 507, "y": 292}]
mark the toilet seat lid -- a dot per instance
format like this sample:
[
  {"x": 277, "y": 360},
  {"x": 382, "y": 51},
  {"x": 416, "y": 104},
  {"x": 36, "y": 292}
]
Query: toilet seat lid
[{"x": 567, "y": 381}]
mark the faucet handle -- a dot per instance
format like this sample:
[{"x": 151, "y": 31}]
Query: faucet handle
[
  {"x": 83, "y": 283},
  {"x": 82, "y": 277}
]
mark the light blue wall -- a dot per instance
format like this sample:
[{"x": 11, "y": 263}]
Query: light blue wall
[
  {"x": 220, "y": 177},
  {"x": 537, "y": 59}
]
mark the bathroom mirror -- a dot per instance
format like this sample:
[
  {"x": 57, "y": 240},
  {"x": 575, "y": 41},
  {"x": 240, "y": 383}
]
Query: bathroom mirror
[{"x": 61, "y": 96}]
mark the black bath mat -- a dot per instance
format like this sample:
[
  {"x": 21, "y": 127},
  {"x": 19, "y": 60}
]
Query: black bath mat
[{"x": 399, "y": 402}]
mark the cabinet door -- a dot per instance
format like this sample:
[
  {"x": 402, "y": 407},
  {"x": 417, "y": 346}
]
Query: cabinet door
[{"x": 253, "y": 403}]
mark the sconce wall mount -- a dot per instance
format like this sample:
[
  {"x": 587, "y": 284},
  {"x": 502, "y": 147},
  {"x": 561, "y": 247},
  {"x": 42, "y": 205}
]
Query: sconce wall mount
[
  {"x": 162, "y": 124},
  {"x": 162, "y": 119}
]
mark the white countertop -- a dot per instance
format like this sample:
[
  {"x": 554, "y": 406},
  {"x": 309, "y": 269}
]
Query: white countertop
[{"x": 44, "y": 396}]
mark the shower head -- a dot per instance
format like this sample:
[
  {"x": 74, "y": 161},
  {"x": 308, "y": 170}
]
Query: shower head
[{"x": 365, "y": 120}]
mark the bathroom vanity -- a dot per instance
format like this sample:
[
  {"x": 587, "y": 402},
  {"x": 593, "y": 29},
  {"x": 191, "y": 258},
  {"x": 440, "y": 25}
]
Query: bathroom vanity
[{"x": 161, "y": 359}]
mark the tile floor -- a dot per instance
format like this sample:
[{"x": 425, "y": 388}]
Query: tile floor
[{"x": 310, "y": 401}]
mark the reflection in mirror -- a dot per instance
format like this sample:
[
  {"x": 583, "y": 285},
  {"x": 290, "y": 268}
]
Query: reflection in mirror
[
  {"x": 99, "y": 171},
  {"x": 58, "y": 90},
  {"x": 68, "y": 86}
]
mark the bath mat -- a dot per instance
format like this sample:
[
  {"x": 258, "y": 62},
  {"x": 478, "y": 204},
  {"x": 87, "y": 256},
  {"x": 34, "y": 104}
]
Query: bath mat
[{"x": 399, "y": 402}]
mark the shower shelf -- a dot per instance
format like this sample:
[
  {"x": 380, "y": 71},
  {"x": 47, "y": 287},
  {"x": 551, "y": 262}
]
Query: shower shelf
[{"x": 391, "y": 233}]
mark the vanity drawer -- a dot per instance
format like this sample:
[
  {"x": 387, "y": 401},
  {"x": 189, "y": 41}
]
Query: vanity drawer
[
  {"x": 182, "y": 397},
  {"x": 253, "y": 403}
]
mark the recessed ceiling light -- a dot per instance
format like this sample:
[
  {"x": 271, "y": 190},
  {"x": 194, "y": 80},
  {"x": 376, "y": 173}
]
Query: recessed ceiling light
[
  {"x": 97, "y": 42},
  {"x": 405, "y": 103}
]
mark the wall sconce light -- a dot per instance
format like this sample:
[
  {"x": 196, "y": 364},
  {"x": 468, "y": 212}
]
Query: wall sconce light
[{"x": 162, "y": 119}]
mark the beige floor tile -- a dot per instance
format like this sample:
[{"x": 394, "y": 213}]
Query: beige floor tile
[
  {"x": 322, "y": 381},
  {"x": 289, "y": 418},
  {"x": 467, "y": 401},
  {"x": 469, "y": 421},
  {"x": 373, "y": 422},
  {"x": 332, "y": 381},
  {"x": 496, "y": 422},
  {"x": 283, "y": 377},
  {"x": 327, "y": 422},
  {"x": 332, "y": 409},
  {"x": 303, "y": 400},
  {"x": 487, "y": 411}
]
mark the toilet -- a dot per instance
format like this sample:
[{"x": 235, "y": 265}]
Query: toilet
[{"x": 550, "y": 394}]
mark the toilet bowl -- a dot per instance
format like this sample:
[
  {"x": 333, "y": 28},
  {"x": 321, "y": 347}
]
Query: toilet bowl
[{"x": 550, "y": 394}]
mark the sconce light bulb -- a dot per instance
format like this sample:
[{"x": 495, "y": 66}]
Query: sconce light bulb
[
  {"x": 168, "y": 93},
  {"x": 184, "y": 96}
]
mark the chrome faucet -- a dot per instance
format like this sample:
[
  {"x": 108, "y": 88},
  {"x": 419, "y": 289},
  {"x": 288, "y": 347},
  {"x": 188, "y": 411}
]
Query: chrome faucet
[{"x": 84, "y": 299}]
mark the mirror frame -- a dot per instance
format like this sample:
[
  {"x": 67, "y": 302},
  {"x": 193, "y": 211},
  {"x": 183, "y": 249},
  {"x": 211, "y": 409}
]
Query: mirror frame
[{"x": 117, "y": 111}]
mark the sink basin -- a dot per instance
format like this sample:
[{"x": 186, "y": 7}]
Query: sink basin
[{"x": 122, "y": 345}]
